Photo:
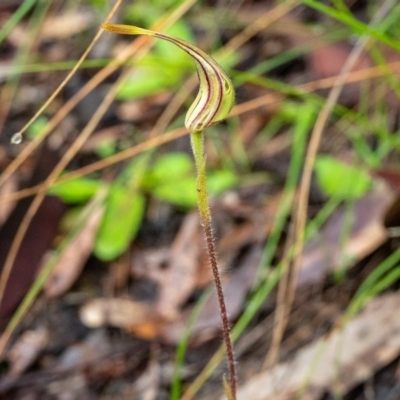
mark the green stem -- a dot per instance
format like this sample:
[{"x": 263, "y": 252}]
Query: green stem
[{"x": 197, "y": 140}]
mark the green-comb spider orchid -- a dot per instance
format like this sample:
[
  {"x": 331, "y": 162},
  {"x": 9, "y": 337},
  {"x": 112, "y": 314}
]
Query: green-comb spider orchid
[{"x": 212, "y": 104}]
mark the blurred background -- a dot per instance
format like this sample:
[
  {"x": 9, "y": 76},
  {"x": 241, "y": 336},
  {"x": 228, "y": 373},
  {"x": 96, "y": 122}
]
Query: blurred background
[{"x": 106, "y": 290}]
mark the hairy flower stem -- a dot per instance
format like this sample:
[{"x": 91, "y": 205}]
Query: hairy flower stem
[
  {"x": 197, "y": 140},
  {"x": 212, "y": 104}
]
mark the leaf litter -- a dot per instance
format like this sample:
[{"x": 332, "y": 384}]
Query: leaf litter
[
  {"x": 338, "y": 362},
  {"x": 107, "y": 328}
]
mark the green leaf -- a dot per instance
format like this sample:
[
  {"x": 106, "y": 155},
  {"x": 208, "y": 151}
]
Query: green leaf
[
  {"x": 170, "y": 51},
  {"x": 147, "y": 12},
  {"x": 220, "y": 181},
  {"x": 145, "y": 82},
  {"x": 148, "y": 78},
  {"x": 125, "y": 207},
  {"x": 181, "y": 192},
  {"x": 36, "y": 129},
  {"x": 106, "y": 148},
  {"x": 340, "y": 180},
  {"x": 169, "y": 167},
  {"x": 172, "y": 179},
  {"x": 75, "y": 191},
  {"x": 100, "y": 5},
  {"x": 120, "y": 223}
]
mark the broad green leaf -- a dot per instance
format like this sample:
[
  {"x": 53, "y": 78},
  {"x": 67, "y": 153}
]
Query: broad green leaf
[
  {"x": 100, "y": 5},
  {"x": 340, "y": 180},
  {"x": 172, "y": 179},
  {"x": 76, "y": 191},
  {"x": 145, "y": 82},
  {"x": 169, "y": 167},
  {"x": 147, "y": 12},
  {"x": 120, "y": 223},
  {"x": 220, "y": 181},
  {"x": 168, "y": 50},
  {"x": 124, "y": 212},
  {"x": 36, "y": 129},
  {"x": 106, "y": 148},
  {"x": 148, "y": 78},
  {"x": 181, "y": 193}
]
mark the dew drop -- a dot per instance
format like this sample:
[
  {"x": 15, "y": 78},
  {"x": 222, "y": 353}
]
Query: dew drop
[{"x": 16, "y": 138}]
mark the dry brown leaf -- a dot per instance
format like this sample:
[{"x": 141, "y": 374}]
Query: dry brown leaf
[
  {"x": 236, "y": 287},
  {"x": 180, "y": 277},
  {"x": 257, "y": 221},
  {"x": 75, "y": 385},
  {"x": 66, "y": 24},
  {"x": 326, "y": 252},
  {"x": 73, "y": 258},
  {"x": 25, "y": 351},
  {"x": 390, "y": 175},
  {"x": 9, "y": 187},
  {"x": 133, "y": 316},
  {"x": 96, "y": 346},
  {"x": 337, "y": 362},
  {"x": 37, "y": 241},
  {"x": 147, "y": 385},
  {"x": 251, "y": 232},
  {"x": 327, "y": 61},
  {"x": 106, "y": 135},
  {"x": 56, "y": 27},
  {"x": 130, "y": 111},
  {"x": 250, "y": 126},
  {"x": 143, "y": 109},
  {"x": 148, "y": 263},
  {"x": 187, "y": 262}
]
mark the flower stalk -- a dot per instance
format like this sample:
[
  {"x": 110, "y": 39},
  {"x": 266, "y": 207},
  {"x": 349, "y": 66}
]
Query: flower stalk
[{"x": 212, "y": 104}]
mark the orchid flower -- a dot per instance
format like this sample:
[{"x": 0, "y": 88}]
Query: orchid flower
[{"x": 212, "y": 104}]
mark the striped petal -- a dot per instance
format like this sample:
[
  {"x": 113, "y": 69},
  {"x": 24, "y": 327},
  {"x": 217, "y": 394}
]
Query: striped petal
[{"x": 216, "y": 94}]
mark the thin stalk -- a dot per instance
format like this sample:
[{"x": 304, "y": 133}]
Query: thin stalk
[
  {"x": 197, "y": 141},
  {"x": 213, "y": 103}
]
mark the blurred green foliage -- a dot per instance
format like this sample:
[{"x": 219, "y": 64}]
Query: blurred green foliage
[
  {"x": 337, "y": 179},
  {"x": 161, "y": 69},
  {"x": 171, "y": 178}
]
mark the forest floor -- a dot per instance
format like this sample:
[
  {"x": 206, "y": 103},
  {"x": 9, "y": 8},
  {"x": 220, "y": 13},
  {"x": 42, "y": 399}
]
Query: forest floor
[{"x": 106, "y": 290}]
